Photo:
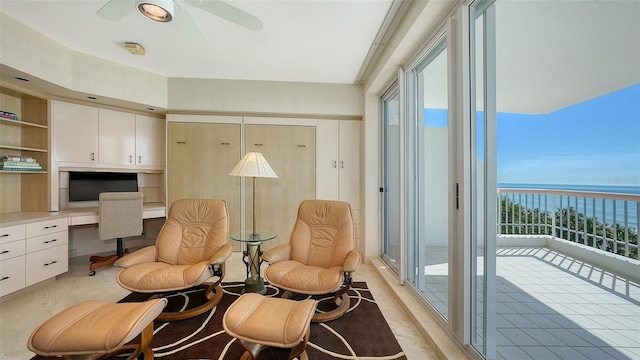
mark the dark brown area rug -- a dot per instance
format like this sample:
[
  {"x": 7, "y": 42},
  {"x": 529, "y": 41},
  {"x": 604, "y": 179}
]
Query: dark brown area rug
[{"x": 362, "y": 333}]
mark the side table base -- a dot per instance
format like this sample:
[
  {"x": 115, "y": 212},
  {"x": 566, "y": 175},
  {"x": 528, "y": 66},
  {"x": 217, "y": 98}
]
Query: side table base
[{"x": 255, "y": 286}]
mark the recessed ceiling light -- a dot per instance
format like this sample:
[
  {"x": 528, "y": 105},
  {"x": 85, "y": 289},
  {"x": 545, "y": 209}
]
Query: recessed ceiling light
[
  {"x": 158, "y": 10},
  {"x": 20, "y": 78}
]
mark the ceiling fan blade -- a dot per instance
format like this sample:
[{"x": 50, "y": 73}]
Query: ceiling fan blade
[
  {"x": 228, "y": 12},
  {"x": 116, "y": 9},
  {"x": 189, "y": 25}
]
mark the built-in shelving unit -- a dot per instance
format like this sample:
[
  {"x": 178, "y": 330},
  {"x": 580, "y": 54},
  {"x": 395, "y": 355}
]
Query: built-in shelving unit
[{"x": 27, "y": 136}]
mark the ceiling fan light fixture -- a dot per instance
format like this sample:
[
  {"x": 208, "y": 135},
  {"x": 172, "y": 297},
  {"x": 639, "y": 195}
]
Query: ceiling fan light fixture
[{"x": 158, "y": 10}]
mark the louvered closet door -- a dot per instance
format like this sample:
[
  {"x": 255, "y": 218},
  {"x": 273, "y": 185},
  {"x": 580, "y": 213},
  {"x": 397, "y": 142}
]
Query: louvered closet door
[
  {"x": 200, "y": 157},
  {"x": 290, "y": 150}
]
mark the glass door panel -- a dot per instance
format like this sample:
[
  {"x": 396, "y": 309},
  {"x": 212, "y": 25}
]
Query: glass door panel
[
  {"x": 429, "y": 239},
  {"x": 391, "y": 180}
]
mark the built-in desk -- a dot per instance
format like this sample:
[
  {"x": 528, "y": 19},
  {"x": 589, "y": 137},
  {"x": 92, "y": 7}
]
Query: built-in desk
[
  {"x": 77, "y": 216},
  {"x": 84, "y": 216},
  {"x": 34, "y": 246}
]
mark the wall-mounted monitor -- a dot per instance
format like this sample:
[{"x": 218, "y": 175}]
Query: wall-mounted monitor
[{"x": 87, "y": 186}]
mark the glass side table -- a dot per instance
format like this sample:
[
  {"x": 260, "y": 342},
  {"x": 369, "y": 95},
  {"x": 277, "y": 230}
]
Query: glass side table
[{"x": 252, "y": 257}]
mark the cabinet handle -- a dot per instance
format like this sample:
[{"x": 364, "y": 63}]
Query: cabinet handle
[
  {"x": 257, "y": 144},
  {"x": 50, "y": 241},
  {"x": 5, "y": 252},
  {"x": 51, "y": 263},
  {"x": 4, "y": 235},
  {"x": 302, "y": 145},
  {"x": 335, "y": 164},
  {"x": 51, "y": 227},
  {"x": 93, "y": 156},
  {"x": 225, "y": 143},
  {"x": 130, "y": 159},
  {"x": 139, "y": 159},
  {"x": 181, "y": 142},
  {"x": 342, "y": 164},
  {"x": 4, "y": 278}
]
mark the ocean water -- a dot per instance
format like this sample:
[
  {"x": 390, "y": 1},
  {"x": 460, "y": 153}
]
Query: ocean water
[{"x": 601, "y": 212}]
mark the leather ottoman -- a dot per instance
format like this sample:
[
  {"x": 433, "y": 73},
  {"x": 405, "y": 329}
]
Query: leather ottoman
[
  {"x": 258, "y": 321},
  {"x": 98, "y": 330}
]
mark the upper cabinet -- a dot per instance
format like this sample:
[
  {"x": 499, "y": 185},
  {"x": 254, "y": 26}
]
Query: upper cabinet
[
  {"x": 116, "y": 137},
  {"x": 150, "y": 143},
  {"x": 24, "y": 137},
  {"x": 107, "y": 138},
  {"x": 75, "y": 133}
]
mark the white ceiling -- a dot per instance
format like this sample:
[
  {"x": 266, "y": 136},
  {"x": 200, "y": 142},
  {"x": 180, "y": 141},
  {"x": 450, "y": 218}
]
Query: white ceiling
[{"x": 301, "y": 40}]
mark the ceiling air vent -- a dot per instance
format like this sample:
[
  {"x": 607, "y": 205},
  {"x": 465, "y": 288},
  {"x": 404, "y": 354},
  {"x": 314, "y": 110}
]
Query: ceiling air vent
[{"x": 134, "y": 48}]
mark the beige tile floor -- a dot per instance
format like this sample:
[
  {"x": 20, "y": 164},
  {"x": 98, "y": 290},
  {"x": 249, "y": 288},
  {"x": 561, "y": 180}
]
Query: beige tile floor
[{"x": 21, "y": 312}]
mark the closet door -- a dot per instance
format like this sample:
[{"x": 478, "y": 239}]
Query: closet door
[
  {"x": 200, "y": 157},
  {"x": 290, "y": 150}
]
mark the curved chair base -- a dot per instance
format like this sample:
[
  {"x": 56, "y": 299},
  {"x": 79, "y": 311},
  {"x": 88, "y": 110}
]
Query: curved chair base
[
  {"x": 214, "y": 295},
  {"x": 98, "y": 262},
  {"x": 341, "y": 300}
]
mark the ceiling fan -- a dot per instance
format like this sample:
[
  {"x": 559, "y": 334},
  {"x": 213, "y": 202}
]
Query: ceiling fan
[{"x": 163, "y": 11}]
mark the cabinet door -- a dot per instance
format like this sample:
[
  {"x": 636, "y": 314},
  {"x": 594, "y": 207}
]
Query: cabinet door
[
  {"x": 349, "y": 163},
  {"x": 290, "y": 150},
  {"x": 75, "y": 133},
  {"x": 12, "y": 275},
  {"x": 327, "y": 160},
  {"x": 116, "y": 137},
  {"x": 150, "y": 141},
  {"x": 200, "y": 157}
]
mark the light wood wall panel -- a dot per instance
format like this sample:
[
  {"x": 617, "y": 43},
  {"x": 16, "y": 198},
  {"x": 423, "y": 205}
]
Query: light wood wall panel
[
  {"x": 290, "y": 150},
  {"x": 200, "y": 157}
]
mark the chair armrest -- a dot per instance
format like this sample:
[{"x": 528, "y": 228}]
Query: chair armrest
[
  {"x": 222, "y": 254},
  {"x": 352, "y": 262},
  {"x": 144, "y": 255},
  {"x": 278, "y": 253}
]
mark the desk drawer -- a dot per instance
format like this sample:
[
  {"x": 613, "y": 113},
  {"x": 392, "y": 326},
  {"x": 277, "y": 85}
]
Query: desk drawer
[
  {"x": 12, "y": 233},
  {"x": 47, "y": 241},
  {"x": 47, "y": 227},
  {"x": 47, "y": 263},
  {"x": 11, "y": 250},
  {"x": 11, "y": 275}
]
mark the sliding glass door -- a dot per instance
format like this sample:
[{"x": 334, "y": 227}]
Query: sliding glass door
[
  {"x": 390, "y": 186},
  {"x": 429, "y": 184}
]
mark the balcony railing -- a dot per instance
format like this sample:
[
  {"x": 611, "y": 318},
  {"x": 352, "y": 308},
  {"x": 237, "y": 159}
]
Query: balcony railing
[{"x": 605, "y": 221}]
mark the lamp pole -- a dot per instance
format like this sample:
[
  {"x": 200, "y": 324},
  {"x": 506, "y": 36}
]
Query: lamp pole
[{"x": 253, "y": 232}]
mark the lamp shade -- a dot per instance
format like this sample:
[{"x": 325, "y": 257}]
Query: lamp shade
[{"x": 253, "y": 164}]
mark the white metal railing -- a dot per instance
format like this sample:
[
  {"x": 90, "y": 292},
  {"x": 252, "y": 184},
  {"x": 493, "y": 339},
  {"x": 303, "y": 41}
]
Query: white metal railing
[{"x": 606, "y": 221}]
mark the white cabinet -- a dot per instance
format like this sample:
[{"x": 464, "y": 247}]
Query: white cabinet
[
  {"x": 116, "y": 137},
  {"x": 12, "y": 248},
  {"x": 32, "y": 252},
  {"x": 75, "y": 133},
  {"x": 338, "y": 161},
  {"x": 150, "y": 141},
  {"x": 338, "y": 164}
]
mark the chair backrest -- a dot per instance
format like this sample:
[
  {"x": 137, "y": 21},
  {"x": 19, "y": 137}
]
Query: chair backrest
[
  {"x": 195, "y": 229},
  {"x": 119, "y": 214},
  {"x": 323, "y": 233}
]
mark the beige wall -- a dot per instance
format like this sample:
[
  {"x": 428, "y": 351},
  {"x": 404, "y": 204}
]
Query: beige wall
[{"x": 28, "y": 51}]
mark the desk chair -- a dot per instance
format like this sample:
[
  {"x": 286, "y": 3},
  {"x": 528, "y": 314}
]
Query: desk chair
[{"x": 119, "y": 216}]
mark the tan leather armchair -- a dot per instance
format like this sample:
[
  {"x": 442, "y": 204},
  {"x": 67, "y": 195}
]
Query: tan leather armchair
[
  {"x": 191, "y": 248},
  {"x": 319, "y": 257}
]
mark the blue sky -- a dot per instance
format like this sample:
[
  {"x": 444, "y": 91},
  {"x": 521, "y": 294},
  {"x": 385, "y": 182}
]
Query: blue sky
[{"x": 596, "y": 142}]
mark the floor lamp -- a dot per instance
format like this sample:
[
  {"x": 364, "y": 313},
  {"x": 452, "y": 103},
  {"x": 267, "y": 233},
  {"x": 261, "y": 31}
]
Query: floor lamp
[{"x": 254, "y": 165}]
